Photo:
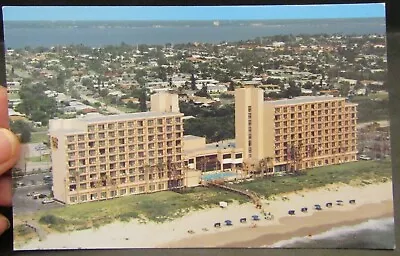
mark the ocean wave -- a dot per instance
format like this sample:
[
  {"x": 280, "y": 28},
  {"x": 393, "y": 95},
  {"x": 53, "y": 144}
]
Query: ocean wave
[{"x": 369, "y": 232}]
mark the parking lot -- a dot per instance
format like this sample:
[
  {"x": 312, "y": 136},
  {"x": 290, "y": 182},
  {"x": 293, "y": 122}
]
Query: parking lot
[{"x": 27, "y": 204}]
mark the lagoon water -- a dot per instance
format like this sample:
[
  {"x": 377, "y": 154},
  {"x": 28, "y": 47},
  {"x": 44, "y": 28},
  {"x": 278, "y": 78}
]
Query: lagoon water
[{"x": 96, "y": 34}]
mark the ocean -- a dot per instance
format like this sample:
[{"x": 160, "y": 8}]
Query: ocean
[
  {"x": 372, "y": 234},
  {"x": 20, "y": 34}
]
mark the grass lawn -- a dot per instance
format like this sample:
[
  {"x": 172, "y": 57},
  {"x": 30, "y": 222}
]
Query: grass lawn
[
  {"x": 158, "y": 207},
  {"x": 44, "y": 158},
  {"x": 39, "y": 137},
  {"x": 357, "y": 173}
]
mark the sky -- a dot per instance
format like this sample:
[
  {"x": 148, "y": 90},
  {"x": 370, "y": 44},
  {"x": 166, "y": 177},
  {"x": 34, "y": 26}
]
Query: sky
[{"x": 33, "y": 13}]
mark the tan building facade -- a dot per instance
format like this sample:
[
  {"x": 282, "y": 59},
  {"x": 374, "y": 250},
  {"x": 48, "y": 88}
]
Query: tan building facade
[
  {"x": 165, "y": 102},
  {"x": 298, "y": 133},
  {"x": 102, "y": 157}
]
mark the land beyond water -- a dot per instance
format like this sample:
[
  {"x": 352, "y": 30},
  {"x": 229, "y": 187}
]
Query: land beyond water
[{"x": 372, "y": 202}]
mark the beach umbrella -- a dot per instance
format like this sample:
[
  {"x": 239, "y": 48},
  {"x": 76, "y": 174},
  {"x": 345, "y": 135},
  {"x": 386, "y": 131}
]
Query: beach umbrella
[
  {"x": 255, "y": 217},
  {"x": 243, "y": 220},
  {"x": 228, "y": 222},
  {"x": 317, "y": 207}
]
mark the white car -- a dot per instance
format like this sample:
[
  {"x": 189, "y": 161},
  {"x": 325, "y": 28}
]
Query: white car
[
  {"x": 47, "y": 201},
  {"x": 364, "y": 157}
]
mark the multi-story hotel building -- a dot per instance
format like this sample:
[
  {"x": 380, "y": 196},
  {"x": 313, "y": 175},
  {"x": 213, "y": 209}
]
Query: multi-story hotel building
[
  {"x": 100, "y": 157},
  {"x": 295, "y": 134}
]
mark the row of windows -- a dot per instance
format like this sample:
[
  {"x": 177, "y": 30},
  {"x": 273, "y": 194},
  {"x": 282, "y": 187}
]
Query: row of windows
[
  {"x": 338, "y": 127},
  {"x": 331, "y": 104},
  {"x": 123, "y": 157},
  {"x": 331, "y": 113},
  {"x": 130, "y": 132},
  {"x": 321, "y": 162},
  {"x": 307, "y": 123},
  {"x": 133, "y": 123},
  {"x": 81, "y": 166},
  {"x": 123, "y": 141},
  {"x": 132, "y": 149},
  {"x": 114, "y": 193},
  {"x": 327, "y": 150},
  {"x": 315, "y": 137}
]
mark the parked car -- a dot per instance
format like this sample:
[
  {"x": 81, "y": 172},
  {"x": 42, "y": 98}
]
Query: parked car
[
  {"x": 29, "y": 194},
  {"x": 42, "y": 196},
  {"x": 20, "y": 184},
  {"x": 48, "y": 201},
  {"x": 364, "y": 157}
]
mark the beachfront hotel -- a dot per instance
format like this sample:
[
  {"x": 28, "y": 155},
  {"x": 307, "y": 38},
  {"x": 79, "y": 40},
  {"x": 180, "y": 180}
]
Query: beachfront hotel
[
  {"x": 100, "y": 157},
  {"x": 294, "y": 134}
]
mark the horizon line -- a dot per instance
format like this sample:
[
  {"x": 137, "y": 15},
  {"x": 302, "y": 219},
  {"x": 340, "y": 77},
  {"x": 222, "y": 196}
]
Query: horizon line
[{"x": 266, "y": 19}]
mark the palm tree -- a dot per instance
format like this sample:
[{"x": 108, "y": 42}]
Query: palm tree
[{"x": 269, "y": 164}]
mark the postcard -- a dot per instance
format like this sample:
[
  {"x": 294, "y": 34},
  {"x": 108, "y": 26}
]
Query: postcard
[{"x": 200, "y": 127}]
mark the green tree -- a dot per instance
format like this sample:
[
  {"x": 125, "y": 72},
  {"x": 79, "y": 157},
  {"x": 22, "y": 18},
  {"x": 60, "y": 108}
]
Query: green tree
[
  {"x": 344, "y": 89},
  {"x": 231, "y": 86},
  {"x": 23, "y": 129},
  {"x": 142, "y": 100},
  {"x": 193, "y": 82}
]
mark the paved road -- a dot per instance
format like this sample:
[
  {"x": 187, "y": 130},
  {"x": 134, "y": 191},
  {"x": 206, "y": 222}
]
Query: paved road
[
  {"x": 109, "y": 108},
  {"x": 23, "y": 204}
]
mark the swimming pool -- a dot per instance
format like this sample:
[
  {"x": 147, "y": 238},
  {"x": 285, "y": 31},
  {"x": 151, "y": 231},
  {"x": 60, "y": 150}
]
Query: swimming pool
[{"x": 218, "y": 176}]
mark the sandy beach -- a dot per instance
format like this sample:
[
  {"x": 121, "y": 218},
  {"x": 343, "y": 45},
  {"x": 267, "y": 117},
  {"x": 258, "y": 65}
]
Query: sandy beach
[{"x": 372, "y": 201}]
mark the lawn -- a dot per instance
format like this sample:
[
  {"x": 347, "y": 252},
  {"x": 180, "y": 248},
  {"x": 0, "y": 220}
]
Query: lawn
[
  {"x": 39, "y": 137},
  {"x": 157, "y": 207},
  {"x": 355, "y": 173}
]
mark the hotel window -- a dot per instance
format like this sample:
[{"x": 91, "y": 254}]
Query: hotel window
[
  {"x": 121, "y": 125},
  {"x": 101, "y": 127},
  {"x": 111, "y": 126},
  {"x": 92, "y": 144},
  {"x": 83, "y": 198},
  {"x": 121, "y": 141},
  {"x": 132, "y": 190},
  {"x": 130, "y": 124},
  {"x": 70, "y": 138},
  {"x": 131, "y": 132},
  {"x": 121, "y": 149},
  {"x": 103, "y": 194},
  {"x": 122, "y": 192},
  {"x": 159, "y": 121},
  {"x": 112, "y": 150},
  {"x": 72, "y": 199},
  {"x": 169, "y": 120},
  {"x": 140, "y": 123},
  {"x": 111, "y": 142},
  {"x": 150, "y": 122},
  {"x": 132, "y": 164},
  {"x": 91, "y": 128},
  {"x": 81, "y": 145},
  {"x": 121, "y": 133},
  {"x": 140, "y": 138}
]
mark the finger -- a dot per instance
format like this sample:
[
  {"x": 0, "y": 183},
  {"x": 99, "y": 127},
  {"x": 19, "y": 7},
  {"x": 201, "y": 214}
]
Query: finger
[
  {"x": 4, "y": 224},
  {"x": 9, "y": 150},
  {"x": 3, "y": 107},
  {"x": 5, "y": 190}
]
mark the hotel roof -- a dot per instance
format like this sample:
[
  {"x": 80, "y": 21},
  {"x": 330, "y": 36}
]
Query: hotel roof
[{"x": 304, "y": 99}]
